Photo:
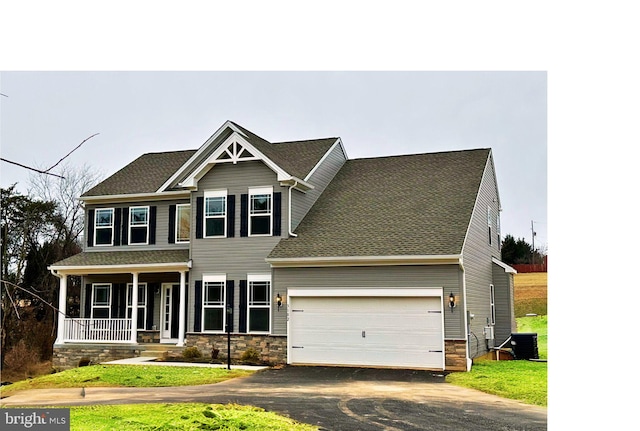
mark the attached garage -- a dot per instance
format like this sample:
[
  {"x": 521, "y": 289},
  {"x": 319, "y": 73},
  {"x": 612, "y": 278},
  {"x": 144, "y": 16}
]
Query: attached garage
[{"x": 366, "y": 327}]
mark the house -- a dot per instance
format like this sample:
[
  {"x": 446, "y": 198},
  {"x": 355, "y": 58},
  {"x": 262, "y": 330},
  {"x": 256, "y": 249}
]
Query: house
[{"x": 295, "y": 250}]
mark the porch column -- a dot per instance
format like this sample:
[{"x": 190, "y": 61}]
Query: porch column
[
  {"x": 62, "y": 308},
  {"x": 181, "y": 313},
  {"x": 134, "y": 309}
]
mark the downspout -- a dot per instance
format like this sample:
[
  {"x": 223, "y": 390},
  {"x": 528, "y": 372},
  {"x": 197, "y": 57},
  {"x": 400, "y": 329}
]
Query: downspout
[
  {"x": 290, "y": 223},
  {"x": 465, "y": 315}
]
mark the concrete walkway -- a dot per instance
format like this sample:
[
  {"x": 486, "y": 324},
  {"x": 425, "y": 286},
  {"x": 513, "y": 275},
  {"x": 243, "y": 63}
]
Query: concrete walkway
[{"x": 150, "y": 360}]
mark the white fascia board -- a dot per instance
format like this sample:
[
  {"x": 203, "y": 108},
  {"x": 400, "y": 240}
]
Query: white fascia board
[
  {"x": 203, "y": 148},
  {"x": 192, "y": 180},
  {"x": 475, "y": 204},
  {"x": 313, "y": 262},
  {"x": 114, "y": 269},
  {"x": 337, "y": 143},
  {"x": 135, "y": 197},
  {"x": 367, "y": 292},
  {"x": 504, "y": 266}
]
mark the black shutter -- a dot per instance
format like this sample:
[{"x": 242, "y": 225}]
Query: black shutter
[
  {"x": 117, "y": 220},
  {"x": 91, "y": 214},
  {"x": 115, "y": 299},
  {"x": 125, "y": 226},
  {"x": 229, "y": 301},
  {"x": 197, "y": 312},
  {"x": 231, "y": 215},
  {"x": 277, "y": 214},
  {"x": 172, "y": 224},
  {"x": 199, "y": 216},
  {"x": 244, "y": 215},
  {"x": 87, "y": 301},
  {"x": 150, "y": 298},
  {"x": 122, "y": 313},
  {"x": 152, "y": 224},
  {"x": 243, "y": 307},
  {"x": 175, "y": 315}
]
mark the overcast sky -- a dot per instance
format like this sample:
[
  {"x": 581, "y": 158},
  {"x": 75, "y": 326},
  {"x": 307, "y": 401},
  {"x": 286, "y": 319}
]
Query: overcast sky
[{"x": 46, "y": 114}]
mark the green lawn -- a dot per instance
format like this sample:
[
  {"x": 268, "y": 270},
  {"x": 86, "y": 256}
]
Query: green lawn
[
  {"x": 525, "y": 381},
  {"x": 179, "y": 417},
  {"x": 127, "y": 375}
]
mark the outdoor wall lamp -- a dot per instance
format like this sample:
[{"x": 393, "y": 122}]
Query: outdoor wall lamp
[
  {"x": 452, "y": 301},
  {"x": 279, "y": 300}
]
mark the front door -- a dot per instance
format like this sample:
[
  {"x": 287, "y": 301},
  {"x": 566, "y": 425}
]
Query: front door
[{"x": 169, "y": 312}]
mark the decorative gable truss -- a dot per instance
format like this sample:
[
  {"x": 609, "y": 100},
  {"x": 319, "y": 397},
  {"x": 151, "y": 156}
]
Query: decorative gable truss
[{"x": 232, "y": 149}]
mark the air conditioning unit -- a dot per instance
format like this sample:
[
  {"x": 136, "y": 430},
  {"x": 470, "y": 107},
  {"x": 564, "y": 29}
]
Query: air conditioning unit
[{"x": 488, "y": 333}]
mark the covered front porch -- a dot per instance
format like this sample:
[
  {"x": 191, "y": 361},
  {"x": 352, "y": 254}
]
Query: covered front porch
[{"x": 128, "y": 298}]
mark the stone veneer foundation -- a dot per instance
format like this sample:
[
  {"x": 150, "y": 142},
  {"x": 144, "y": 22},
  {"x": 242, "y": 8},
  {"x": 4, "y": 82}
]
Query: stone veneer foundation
[
  {"x": 272, "y": 349},
  {"x": 455, "y": 355},
  {"x": 67, "y": 356}
]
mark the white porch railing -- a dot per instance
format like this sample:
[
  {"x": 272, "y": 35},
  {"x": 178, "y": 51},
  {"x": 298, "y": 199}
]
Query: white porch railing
[{"x": 97, "y": 330}]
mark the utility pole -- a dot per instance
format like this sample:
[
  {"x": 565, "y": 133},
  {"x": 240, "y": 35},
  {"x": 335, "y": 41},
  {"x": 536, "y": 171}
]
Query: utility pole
[{"x": 533, "y": 243}]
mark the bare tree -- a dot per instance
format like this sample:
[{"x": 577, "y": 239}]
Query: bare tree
[{"x": 65, "y": 192}]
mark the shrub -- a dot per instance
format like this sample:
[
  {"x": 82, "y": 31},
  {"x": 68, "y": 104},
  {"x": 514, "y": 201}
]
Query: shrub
[
  {"x": 250, "y": 355},
  {"x": 21, "y": 357},
  {"x": 191, "y": 353}
]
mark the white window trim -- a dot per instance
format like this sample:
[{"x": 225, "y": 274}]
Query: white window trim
[
  {"x": 492, "y": 304},
  {"x": 146, "y": 225},
  {"x": 214, "y": 278},
  {"x": 142, "y": 303},
  {"x": 259, "y": 278},
  {"x": 95, "y": 227},
  {"x": 261, "y": 191},
  {"x": 177, "y": 223},
  {"x": 93, "y": 298},
  {"x": 215, "y": 194}
]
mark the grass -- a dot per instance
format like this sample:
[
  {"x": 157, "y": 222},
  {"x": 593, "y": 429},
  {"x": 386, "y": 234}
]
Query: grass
[
  {"x": 126, "y": 375},
  {"x": 179, "y": 416},
  {"x": 525, "y": 381}
]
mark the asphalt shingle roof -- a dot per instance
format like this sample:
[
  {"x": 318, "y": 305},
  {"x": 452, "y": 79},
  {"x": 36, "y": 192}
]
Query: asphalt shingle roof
[
  {"x": 297, "y": 158},
  {"x": 141, "y": 257},
  {"x": 391, "y": 206},
  {"x": 144, "y": 175},
  {"x": 150, "y": 171}
]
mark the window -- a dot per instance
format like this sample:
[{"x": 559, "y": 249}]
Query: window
[
  {"x": 492, "y": 303},
  {"x": 101, "y": 301},
  {"x": 213, "y": 304},
  {"x": 142, "y": 303},
  {"x": 498, "y": 231},
  {"x": 104, "y": 227},
  {"x": 215, "y": 213},
  {"x": 260, "y": 211},
  {"x": 139, "y": 225},
  {"x": 183, "y": 222},
  {"x": 259, "y": 314},
  {"x": 489, "y": 222}
]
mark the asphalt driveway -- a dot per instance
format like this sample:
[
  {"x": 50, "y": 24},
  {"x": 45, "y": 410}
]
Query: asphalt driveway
[{"x": 340, "y": 399}]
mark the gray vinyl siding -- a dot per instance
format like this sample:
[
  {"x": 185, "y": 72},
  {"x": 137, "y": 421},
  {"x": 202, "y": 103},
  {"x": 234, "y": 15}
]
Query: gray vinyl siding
[
  {"x": 477, "y": 254},
  {"x": 446, "y": 277},
  {"x": 238, "y": 256},
  {"x": 162, "y": 227},
  {"x": 505, "y": 313},
  {"x": 302, "y": 202}
]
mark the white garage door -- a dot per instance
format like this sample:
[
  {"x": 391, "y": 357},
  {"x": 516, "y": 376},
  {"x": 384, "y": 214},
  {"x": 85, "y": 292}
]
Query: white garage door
[{"x": 367, "y": 331}]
